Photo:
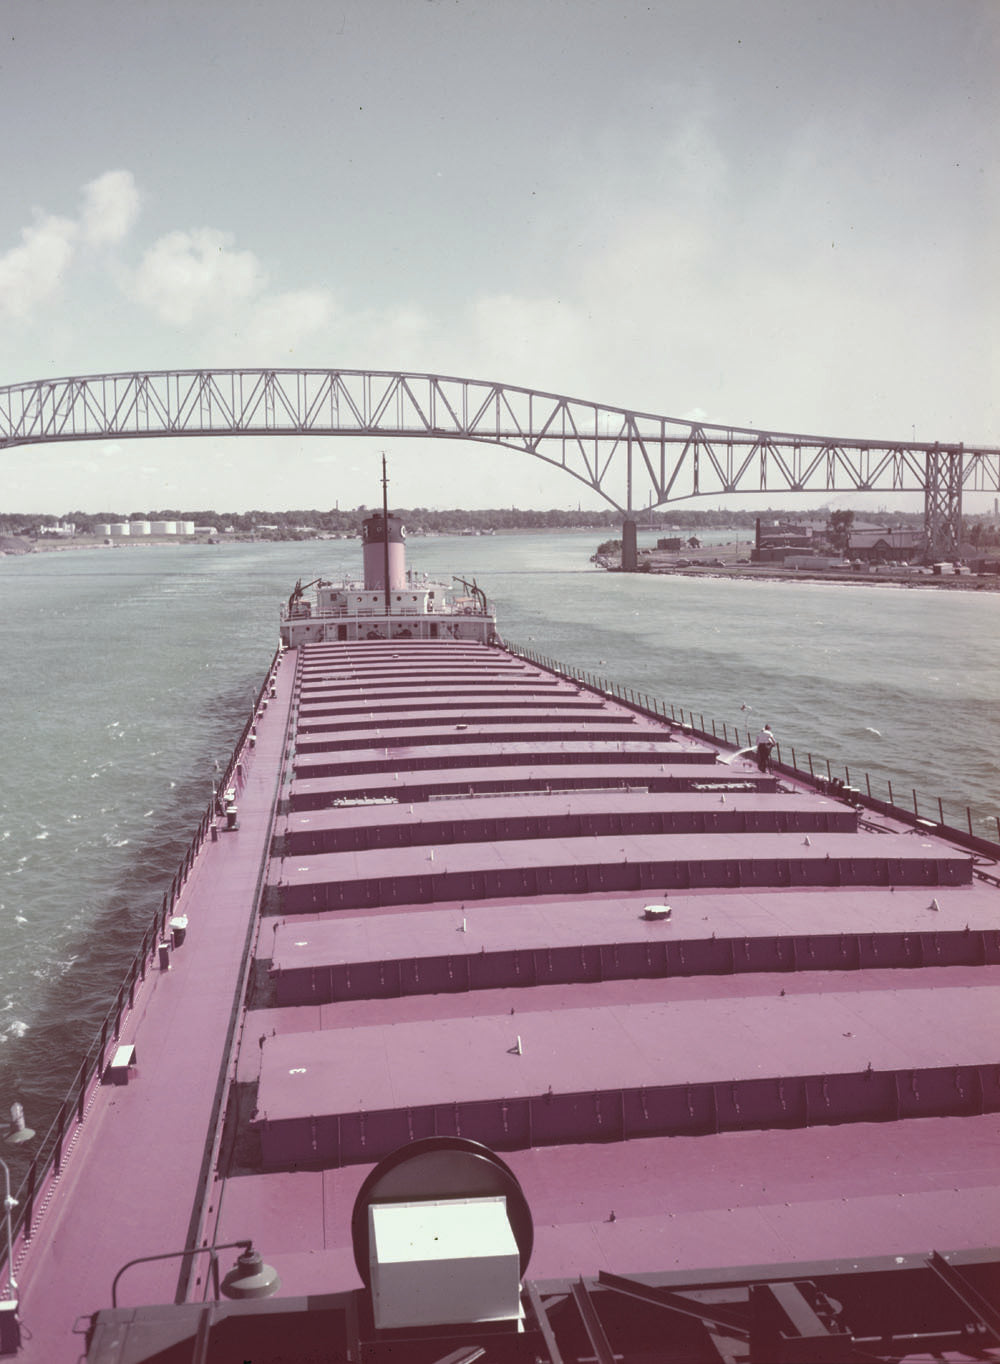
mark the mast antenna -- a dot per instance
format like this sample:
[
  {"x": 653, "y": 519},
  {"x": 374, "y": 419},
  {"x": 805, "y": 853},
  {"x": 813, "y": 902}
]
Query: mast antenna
[{"x": 385, "y": 539}]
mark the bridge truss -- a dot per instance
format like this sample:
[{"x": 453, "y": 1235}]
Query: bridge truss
[{"x": 634, "y": 460}]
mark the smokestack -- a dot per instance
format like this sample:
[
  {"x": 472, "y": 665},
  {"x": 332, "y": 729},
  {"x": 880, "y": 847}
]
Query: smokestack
[{"x": 375, "y": 556}]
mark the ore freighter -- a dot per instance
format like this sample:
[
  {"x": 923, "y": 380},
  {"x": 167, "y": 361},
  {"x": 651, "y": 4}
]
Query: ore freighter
[{"x": 495, "y": 1015}]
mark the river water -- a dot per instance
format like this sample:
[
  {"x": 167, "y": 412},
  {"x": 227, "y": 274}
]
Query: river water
[{"x": 129, "y": 673}]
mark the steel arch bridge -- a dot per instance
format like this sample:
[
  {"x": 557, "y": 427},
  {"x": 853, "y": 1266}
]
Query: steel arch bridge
[{"x": 634, "y": 460}]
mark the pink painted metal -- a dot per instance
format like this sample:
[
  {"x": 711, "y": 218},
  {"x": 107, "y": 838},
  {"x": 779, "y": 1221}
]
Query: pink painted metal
[{"x": 797, "y": 1062}]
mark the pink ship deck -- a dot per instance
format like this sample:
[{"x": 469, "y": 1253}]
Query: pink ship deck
[
  {"x": 799, "y": 1063},
  {"x": 641, "y": 1065},
  {"x": 429, "y": 783}
]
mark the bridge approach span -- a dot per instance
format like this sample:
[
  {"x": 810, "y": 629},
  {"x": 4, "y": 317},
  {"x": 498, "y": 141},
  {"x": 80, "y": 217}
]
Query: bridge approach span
[{"x": 632, "y": 459}]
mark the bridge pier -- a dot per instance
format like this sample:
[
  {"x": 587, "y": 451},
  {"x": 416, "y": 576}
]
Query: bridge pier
[
  {"x": 630, "y": 548},
  {"x": 943, "y": 502}
]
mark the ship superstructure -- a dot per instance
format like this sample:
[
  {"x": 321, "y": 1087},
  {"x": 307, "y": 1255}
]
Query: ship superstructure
[
  {"x": 389, "y": 603},
  {"x": 512, "y": 1020}
]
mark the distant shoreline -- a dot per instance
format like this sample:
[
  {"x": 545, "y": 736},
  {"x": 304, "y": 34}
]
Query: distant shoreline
[
  {"x": 770, "y": 573},
  {"x": 17, "y": 547}
]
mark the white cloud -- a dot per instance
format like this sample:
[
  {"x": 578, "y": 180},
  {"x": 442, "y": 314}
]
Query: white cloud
[
  {"x": 31, "y": 273},
  {"x": 187, "y": 276},
  {"x": 110, "y": 207},
  {"x": 281, "y": 324},
  {"x": 510, "y": 335}
]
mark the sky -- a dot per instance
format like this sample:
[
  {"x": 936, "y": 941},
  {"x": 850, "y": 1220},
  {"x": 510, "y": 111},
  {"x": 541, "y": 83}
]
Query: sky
[{"x": 772, "y": 213}]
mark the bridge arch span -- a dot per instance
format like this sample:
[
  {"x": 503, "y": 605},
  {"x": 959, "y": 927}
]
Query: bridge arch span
[{"x": 632, "y": 459}]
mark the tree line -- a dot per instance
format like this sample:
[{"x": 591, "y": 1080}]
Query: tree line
[
  {"x": 305, "y": 522},
  {"x": 348, "y": 520}
]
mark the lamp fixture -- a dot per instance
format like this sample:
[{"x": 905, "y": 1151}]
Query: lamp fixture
[
  {"x": 250, "y": 1277},
  {"x": 19, "y": 1132}
]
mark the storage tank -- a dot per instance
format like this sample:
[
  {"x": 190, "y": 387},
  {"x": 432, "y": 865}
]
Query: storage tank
[
  {"x": 139, "y": 527},
  {"x": 119, "y": 528},
  {"x": 102, "y": 528},
  {"x": 185, "y": 527},
  {"x": 164, "y": 527}
]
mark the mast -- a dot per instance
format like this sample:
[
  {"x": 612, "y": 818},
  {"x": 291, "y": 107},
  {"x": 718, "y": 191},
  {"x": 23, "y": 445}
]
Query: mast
[{"x": 385, "y": 535}]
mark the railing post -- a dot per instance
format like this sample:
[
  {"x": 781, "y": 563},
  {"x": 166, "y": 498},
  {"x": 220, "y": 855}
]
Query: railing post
[
  {"x": 29, "y": 1198},
  {"x": 60, "y": 1132}
]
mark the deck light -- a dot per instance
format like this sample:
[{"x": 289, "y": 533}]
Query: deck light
[
  {"x": 250, "y": 1277},
  {"x": 19, "y": 1133}
]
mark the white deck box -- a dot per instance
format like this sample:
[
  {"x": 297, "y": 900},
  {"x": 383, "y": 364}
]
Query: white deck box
[{"x": 443, "y": 1261}]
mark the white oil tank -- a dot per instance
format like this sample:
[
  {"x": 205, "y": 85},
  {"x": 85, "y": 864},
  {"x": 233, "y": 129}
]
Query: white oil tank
[
  {"x": 119, "y": 528},
  {"x": 164, "y": 527},
  {"x": 185, "y": 527},
  {"x": 139, "y": 528},
  {"x": 102, "y": 528}
]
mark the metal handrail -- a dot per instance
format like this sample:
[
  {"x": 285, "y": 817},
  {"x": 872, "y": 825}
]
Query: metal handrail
[
  {"x": 50, "y": 1152},
  {"x": 730, "y": 739},
  {"x": 377, "y": 609}
]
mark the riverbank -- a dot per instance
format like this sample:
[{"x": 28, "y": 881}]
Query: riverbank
[
  {"x": 724, "y": 563},
  {"x": 15, "y": 544}
]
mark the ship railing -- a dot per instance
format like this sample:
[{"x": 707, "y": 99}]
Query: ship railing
[
  {"x": 462, "y": 607},
  {"x": 49, "y": 1155},
  {"x": 819, "y": 772},
  {"x": 347, "y": 612}
]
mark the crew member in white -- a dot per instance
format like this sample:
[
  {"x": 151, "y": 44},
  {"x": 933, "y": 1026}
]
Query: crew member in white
[{"x": 765, "y": 742}]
